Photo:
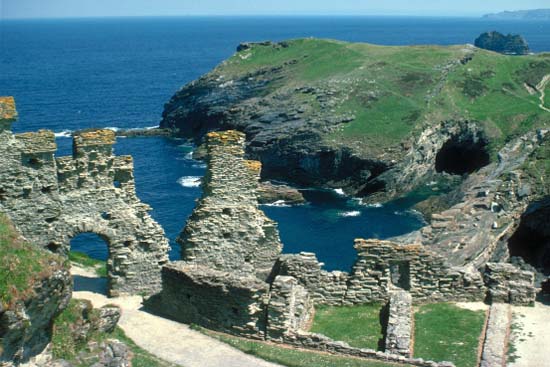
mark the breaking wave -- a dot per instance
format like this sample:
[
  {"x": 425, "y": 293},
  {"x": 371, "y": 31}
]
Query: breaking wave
[{"x": 190, "y": 181}]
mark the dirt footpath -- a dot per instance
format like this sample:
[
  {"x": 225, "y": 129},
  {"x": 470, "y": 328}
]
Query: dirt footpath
[{"x": 530, "y": 336}]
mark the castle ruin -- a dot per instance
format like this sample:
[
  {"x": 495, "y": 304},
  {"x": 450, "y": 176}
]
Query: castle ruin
[{"x": 52, "y": 199}]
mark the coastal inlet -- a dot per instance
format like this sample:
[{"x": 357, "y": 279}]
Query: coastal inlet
[{"x": 168, "y": 179}]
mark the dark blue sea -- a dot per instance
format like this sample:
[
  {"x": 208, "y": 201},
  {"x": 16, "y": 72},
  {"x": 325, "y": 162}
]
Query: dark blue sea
[{"x": 119, "y": 72}]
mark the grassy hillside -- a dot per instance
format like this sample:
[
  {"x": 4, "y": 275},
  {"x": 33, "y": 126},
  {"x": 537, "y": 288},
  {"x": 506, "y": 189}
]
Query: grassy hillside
[
  {"x": 21, "y": 264},
  {"x": 393, "y": 91}
]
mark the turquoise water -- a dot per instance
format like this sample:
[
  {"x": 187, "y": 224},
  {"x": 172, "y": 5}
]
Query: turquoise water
[{"x": 118, "y": 72}]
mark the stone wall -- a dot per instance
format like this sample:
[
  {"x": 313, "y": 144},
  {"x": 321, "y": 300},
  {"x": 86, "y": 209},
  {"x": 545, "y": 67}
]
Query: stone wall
[
  {"x": 423, "y": 273},
  {"x": 400, "y": 324},
  {"x": 414, "y": 268},
  {"x": 325, "y": 287},
  {"x": 290, "y": 307},
  {"x": 214, "y": 299},
  {"x": 508, "y": 284},
  {"x": 52, "y": 199},
  {"x": 226, "y": 280},
  {"x": 227, "y": 231},
  {"x": 322, "y": 343}
]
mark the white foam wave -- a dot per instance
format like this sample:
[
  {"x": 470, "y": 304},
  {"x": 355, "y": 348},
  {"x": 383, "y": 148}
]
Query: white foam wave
[
  {"x": 373, "y": 205},
  {"x": 199, "y": 165},
  {"x": 64, "y": 134},
  {"x": 190, "y": 181},
  {"x": 279, "y": 203},
  {"x": 189, "y": 156},
  {"x": 113, "y": 128},
  {"x": 339, "y": 192},
  {"x": 352, "y": 213}
]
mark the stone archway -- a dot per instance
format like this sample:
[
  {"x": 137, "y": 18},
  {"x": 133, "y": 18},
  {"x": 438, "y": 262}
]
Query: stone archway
[{"x": 52, "y": 199}]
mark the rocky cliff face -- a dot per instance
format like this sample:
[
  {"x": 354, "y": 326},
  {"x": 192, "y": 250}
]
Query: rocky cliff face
[
  {"x": 39, "y": 288},
  {"x": 358, "y": 116}
]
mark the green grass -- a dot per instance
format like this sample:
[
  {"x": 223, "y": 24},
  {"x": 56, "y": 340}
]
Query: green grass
[
  {"x": 359, "y": 326},
  {"x": 390, "y": 90},
  {"x": 66, "y": 345},
  {"x": 86, "y": 261},
  {"x": 291, "y": 357},
  {"x": 446, "y": 332},
  {"x": 21, "y": 264}
]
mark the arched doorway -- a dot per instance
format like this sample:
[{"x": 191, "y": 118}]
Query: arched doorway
[{"x": 89, "y": 254}]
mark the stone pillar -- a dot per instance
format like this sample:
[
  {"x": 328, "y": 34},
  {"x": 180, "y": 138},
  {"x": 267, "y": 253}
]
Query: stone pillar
[
  {"x": 398, "y": 335},
  {"x": 290, "y": 308}
]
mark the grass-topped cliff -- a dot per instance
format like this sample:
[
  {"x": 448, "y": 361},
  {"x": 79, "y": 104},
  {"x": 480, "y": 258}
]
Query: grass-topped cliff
[{"x": 329, "y": 112}]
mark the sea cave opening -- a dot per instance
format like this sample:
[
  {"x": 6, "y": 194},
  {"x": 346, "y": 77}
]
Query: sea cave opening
[
  {"x": 531, "y": 240},
  {"x": 462, "y": 154}
]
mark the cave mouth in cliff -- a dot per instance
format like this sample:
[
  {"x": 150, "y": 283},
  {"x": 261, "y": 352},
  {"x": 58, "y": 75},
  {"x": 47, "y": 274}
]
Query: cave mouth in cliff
[
  {"x": 462, "y": 155},
  {"x": 531, "y": 240}
]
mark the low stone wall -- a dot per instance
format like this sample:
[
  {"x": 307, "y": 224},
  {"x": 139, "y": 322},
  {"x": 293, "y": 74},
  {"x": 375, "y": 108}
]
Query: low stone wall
[
  {"x": 400, "y": 323},
  {"x": 413, "y": 268},
  {"x": 380, "y": 264},
  {"x": 322, "y": 343},
  {"x": 509, "y": 284},
  {"x": 325, "y": 287},
  {"x": 217, "y": 300},
  {"x": 496, "y": 336}
]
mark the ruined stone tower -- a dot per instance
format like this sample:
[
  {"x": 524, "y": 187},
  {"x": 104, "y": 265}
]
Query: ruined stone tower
[
  {"x": 52, "y": 199},
  {"x": 227, "y": 231}
]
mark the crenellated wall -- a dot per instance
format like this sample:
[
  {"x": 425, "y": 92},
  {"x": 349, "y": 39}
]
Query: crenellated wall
[{"x": 52, "y": 199}]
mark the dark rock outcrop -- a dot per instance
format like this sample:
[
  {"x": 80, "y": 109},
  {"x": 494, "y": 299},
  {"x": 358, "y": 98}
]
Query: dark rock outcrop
[
  {"x": 25, "y": 327},
  {"x": 511, "y": 44}
]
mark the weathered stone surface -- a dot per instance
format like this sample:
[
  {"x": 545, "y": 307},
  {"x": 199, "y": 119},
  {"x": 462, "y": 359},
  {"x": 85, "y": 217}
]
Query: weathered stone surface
[
  {"x": 25, "y": 327},
  {"x": 508, "y": 284},
  {"x": 322, "y": 343},
  {"x": 50, "y": 200},
  {"x": 426, "y": 275},
  {"x": 485, "y": 209},
  {"x": 290, "y": 307},
  {"x": 399, "y": 329},
  {"x": 108, "y": 317},
  {"x": 269, "y": 193},
  {"x": 8, "y": 112},
  {"x": 324, "y": 287},
  {"x": 496, "y": 335},
  {"x": 227, "y": 231},
  {"x": 230, "y": 302}
]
